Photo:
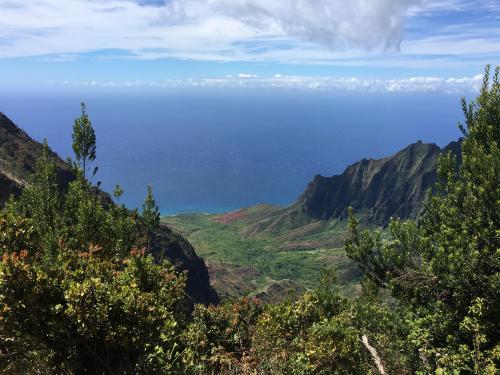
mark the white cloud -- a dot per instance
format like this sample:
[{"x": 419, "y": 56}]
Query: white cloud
[
  {"x": 333, "y": 23},
  {"x": 336, "y": 32},
  {"x": 246, "y": 75},
  {"x": 203, "y": 27},
  {"x": 460, "y": 85}
]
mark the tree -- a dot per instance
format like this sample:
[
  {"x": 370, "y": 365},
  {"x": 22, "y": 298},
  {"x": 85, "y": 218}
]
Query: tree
[
  {"x": 150, "y": 217},
  {"x": 118, "y": 192},
  {"x": 41, "y": 200},
  {"x": 84, "y": 141},
  {"x": 445, "y": 269}
]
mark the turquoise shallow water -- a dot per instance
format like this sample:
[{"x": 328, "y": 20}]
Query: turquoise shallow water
[{"x": 214, "y": 151}]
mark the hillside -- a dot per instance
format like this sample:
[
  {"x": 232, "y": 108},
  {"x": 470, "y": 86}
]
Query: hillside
[
  {"x": 255, "y": 249},
  {"x": 18, "y": 155},
  {"x": 377, "y": 190},
  {"x": 246, "y": 254}
]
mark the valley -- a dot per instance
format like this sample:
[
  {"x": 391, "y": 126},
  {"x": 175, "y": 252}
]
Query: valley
[
  {"x": 252, "y": 249},
  {"x": 262, "y": 248}
]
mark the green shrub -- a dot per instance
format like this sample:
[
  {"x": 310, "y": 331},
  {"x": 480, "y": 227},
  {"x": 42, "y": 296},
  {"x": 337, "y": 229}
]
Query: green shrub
[{"x": 219, "y": 339}]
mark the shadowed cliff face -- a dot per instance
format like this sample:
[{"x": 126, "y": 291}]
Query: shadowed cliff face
[
  {"x": 377, "y": 189},
  {"x": 182, "y": 255},
  {"x": 18, "y": 155}
]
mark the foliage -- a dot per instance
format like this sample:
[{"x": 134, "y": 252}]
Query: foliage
[
  {"x": 89, "y": 314},
  {"x": 41, "y": 201},
  {"x": 445, "y": 269},
  {"x": 84, "y": 141},
  {"x": 267, "y": 256},
  {"x": 150, "y": 217},
  {"x": 118, "y": 192},
  {"x": 319, "y": 333},
  {"x": 219, "y": 338}
]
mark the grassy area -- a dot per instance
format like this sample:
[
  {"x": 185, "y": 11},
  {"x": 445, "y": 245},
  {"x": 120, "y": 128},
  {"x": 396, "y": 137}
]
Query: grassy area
[{"x": 265, "y": 244}]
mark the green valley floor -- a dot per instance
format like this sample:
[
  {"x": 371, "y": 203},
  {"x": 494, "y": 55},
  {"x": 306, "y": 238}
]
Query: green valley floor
[{"x": 268, "y": 250}]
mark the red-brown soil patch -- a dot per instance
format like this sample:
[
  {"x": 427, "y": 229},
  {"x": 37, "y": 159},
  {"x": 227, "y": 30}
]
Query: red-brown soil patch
[{"x": 231, "y": 217}]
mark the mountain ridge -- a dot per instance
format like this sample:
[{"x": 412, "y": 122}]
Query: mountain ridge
[{"x": 377, "y": 189}]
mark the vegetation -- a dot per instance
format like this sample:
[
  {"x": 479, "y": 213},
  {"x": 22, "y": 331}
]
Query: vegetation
[
  {"x": 84, "y": 141},
  {"x": 77, "y": 295},
  {"x": 444, "y": 270},
  {"x": 150, "y": 217},
  {"x": 251, "y": 260},
  {"x": 317, "y": 334}
]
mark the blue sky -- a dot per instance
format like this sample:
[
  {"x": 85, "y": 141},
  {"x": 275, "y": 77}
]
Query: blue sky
[{"x": 388, "y": 45}]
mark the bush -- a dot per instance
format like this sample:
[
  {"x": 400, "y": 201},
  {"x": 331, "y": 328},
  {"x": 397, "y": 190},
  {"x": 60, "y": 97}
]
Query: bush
[{"x": 219, "y": 339}]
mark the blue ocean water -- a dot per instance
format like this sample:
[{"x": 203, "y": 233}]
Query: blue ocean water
[{"x": 215, "y": 151}]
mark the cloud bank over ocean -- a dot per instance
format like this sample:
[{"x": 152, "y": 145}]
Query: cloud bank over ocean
[{"x": 245, "y": 80}]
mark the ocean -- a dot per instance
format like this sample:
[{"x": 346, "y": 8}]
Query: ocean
[{"x": 206, "y": 150}]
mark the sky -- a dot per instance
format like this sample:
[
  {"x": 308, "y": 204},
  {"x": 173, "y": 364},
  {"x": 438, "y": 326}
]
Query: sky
[{"x": 368, "y": 45}]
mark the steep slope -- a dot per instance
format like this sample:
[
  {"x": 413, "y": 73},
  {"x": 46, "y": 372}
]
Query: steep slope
[
  {"x": 377, "y": 189},
  {"x": 18, "y": 154},
  {"x": 184, "y": 258}
]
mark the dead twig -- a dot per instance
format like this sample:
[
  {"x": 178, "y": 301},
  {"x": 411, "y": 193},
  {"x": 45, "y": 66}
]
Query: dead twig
[{"x": 375, "y": 356}]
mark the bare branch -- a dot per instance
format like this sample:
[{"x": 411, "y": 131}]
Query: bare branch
[{"x": 373, "y": 352}]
